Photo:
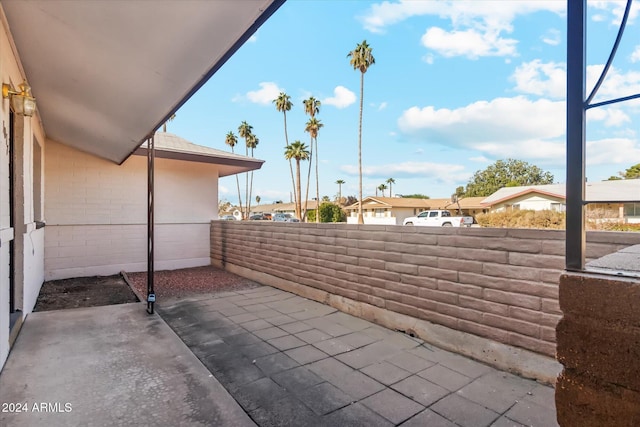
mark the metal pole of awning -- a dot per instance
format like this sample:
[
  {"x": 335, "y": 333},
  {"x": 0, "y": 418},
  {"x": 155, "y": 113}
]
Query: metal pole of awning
[{"x": 151, "y": 154}]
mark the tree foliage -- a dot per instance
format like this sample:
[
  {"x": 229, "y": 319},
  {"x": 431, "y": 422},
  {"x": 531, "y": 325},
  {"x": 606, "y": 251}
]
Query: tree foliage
[
  {"x": 415, "y": 196},
  {"x": 506, "y": 173},
  {"x": 632, "y": 172},
  {"x": 329, "y": 212}
]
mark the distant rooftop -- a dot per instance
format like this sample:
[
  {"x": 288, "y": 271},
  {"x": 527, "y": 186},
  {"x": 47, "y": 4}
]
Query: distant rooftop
[
  {"x": 170, "y": 146},
  {"x": 622, "y": 190}
]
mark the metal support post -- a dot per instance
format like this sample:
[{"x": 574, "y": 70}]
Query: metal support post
[{"x": 151, "y": 154}]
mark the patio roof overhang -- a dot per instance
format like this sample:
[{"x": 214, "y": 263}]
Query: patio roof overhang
[{"x": 107, "y": 74}]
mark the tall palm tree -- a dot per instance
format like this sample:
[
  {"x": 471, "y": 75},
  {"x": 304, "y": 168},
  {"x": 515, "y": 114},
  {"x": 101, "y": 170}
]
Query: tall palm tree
[
  {"x": 231, "y": 141},
  {"x": 340, "y": 182},
  {"x": 297, "y": 151},
  {"x": 390, "y": 181},
  {"x": 170, "y": 119},
  {"x": 252, "y": 143},
  {"x": 244, "y": 130},
  {"x": 361, "y": 59},
  {"x": 313, "y": 126},
  {"x": 382, "y": 187},
  {"x": 283, "y": 104},
  {"x": 311, "y": 107}
]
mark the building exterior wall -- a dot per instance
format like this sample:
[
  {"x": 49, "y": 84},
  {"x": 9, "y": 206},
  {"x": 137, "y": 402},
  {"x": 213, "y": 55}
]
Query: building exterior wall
[
  {"x": 97, "y": 211},
  {"x": 534, "y": 202},
  {"x": 498, "y": 284},
  {"x": 598, "y": 345},
  {"x": 28, "y": 254}
]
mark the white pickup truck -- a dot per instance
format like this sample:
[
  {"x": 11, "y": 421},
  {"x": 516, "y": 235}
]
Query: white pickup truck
[{"x": 439, "y": 218}]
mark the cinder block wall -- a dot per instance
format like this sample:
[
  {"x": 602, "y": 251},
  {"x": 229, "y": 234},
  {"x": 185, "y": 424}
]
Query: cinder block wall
[
  {"x": 96, "y": 213},
  {"x": 598, "y": 344},
  {"x": 500, "y": 284}
]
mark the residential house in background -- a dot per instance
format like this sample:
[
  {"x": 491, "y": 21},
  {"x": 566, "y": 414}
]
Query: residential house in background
[
  {"x": 393, "y": 210},
  {"x": 624, "y": 193}
]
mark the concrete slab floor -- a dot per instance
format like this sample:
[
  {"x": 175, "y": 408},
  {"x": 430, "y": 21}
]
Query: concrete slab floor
[
  {"x": 109, "y": 366},
  {"x": 296, "y": 362}
]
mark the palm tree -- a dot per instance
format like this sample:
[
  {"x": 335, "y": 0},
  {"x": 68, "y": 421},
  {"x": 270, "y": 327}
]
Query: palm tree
[
  {"x": 361, "y": 59},
  {"x": 252, "y": 143},
  {"x": 340, "y": 182},
  {"x": 390, "y": 181},
  {"x": 170, "y": 119},
  {"x": 283, "y": 104},
  {"x": 244, "y": 130},
  {"x": 258, "y": 200},
  {"x": 382, "y": 187},
  {"x": 313, "y": 127},
  {"x": 298, "y": 151},
  {"x": 231, "y": 141},
  {"x": 311, "y": 107}
]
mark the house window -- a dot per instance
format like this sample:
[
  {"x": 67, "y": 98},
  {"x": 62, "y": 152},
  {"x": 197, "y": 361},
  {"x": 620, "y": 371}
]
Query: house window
[
  {"x": 379, "y": 213},
  {"x": 631, "y": 209},
  {"x": 558, "y": 207},
  {"x": 515, "y": 207}
]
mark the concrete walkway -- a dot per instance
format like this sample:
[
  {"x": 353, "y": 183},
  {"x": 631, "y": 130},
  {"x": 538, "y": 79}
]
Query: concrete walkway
[
  {"x": 109, "y": 366},
  {"x": 293, "y": 362}
]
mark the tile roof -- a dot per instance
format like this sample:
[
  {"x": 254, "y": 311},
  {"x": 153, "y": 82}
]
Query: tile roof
[{"x": 623, "y": 190}]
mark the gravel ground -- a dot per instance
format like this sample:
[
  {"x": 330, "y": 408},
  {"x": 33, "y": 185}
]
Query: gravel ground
[{"x": 190, "y": 281}]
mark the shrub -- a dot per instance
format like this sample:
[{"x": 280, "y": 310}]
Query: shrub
[
  {"x": 329, "y": 212},
  {"x": 523, "y": 219},
  {"x": 550, "y": 220}
]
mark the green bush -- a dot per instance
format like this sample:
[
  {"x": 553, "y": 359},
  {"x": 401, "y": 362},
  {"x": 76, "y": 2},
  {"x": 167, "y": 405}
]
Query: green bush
[
  {"x": 546, "y": 219},
  {"x": 329, "y": 212},
  {"x": 523, "y": 219}
]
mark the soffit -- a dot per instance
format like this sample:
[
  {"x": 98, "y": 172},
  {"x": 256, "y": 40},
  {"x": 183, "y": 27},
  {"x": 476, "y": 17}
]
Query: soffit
[{"x": 108, "y": 73}]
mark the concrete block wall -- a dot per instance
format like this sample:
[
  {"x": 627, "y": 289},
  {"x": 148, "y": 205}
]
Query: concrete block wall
[
  {"x": 96, "y": 213},
  {"x": 598, "y": 344},
  {"x": 500, "y": 284}
]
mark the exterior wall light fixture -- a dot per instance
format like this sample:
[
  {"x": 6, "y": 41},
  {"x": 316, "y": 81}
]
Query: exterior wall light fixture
[{"x": 22, "y": 102}]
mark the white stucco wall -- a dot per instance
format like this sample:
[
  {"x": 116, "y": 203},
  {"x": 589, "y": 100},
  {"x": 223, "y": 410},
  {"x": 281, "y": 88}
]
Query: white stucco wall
[
  {"x": 534, "y": 202},
  {"x": 97, "y": 211},
  {"x": 28, "y": 287}
]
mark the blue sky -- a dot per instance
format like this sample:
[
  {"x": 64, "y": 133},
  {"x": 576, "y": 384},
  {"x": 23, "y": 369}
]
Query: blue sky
[{"x": 456, "y": 86}]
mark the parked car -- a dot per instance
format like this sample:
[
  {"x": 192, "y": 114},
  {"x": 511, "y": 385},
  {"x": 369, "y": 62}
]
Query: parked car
[
  {"x": 281, "y": 217},
  {"x": 439, "y": 218},
  {"x": 284, "y": 217},
  {"x": 228, "y": 218},
  {"x": 258, "y": 217}
]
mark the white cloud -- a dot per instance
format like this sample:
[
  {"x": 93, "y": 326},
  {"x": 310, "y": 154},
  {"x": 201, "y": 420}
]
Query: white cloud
[
  {"x": 610, "y": 116},
  {"x": 541, "y": 78},
  {"x": 461, "y": 13},
  {"x": 616, "y": 84},
  {"x": 479, "y": 159},
  {"x": 382, "y": 106},
  {"x": 615, "y": 9},
  {"x": 503, "y": 127},
  {"x": 222, "y": 189},
  {"x": 428, "y": 58},
  {"x": 635, "y": 55},
  {"x": 470, "y": 43},
  {"x": 342, "y": 98},
  {"x": 445, "y": 173},
  {"x": 613, "y": 151},
  {"x": 419, "y": 151},
  {"x": 552, "y": 37},
  {"x": 477, "y": 26},
  {"x": 265, "y": 95},
  {"x": 549, "y": 79}
]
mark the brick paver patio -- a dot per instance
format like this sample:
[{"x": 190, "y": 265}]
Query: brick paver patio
[{"x": 290, "y": 361}]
